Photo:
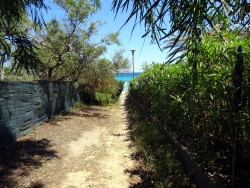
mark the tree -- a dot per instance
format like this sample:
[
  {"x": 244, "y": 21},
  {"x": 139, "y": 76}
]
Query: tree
[
  {"x": 120, "y": 63},
  {"x": 188, "y": 20},
  {"x": 15, "y": 45},
  {"x": 67, "y": 46}
]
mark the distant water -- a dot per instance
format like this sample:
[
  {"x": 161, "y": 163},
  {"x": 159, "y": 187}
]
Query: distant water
[{"x": 126, "y": 77}]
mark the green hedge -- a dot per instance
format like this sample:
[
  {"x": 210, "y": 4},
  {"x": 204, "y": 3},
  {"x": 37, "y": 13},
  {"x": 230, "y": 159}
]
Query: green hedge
[{"x": 198, "y": 111}]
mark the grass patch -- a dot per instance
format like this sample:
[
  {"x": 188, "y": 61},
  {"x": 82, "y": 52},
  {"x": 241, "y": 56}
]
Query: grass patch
[
  {"x": 158, "y": 155},
  {"x": 54, "y": 120},
  {"x": 78, "y": 106}
]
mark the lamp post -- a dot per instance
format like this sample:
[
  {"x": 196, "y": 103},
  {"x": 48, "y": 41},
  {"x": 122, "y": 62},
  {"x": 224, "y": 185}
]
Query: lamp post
[{"x": 133, "y": 52}]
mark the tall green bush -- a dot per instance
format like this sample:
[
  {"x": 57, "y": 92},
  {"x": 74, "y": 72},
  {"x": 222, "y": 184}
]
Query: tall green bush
[
  {"x": 98, "y": 84},
  {"x": 198, "y": 110}
]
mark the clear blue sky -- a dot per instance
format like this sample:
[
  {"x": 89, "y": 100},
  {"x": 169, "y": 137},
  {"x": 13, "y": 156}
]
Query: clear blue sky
[{"x": 145, "y": 52}]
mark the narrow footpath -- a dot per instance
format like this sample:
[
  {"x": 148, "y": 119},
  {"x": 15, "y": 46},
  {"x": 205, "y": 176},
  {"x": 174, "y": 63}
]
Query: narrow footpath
[{"x": 86, "y": 148}]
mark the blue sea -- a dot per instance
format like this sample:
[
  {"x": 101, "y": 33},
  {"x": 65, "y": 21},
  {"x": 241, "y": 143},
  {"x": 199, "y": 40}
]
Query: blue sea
[{"x": 126, "y": 77}]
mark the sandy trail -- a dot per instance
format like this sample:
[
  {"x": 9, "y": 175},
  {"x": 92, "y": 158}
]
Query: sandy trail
[
  {"x": 88, "y": 148},
  {"x": 105, "y": 153}
]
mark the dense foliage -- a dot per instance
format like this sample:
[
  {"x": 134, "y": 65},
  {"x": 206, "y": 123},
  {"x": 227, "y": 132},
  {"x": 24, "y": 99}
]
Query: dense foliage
[
  {"x": 180, "y": 26},
  {"x": 15, "y": 44},
  {"x": 68, "y": 48},
  {"x": 200, "y": 110},
  {"x": 161, "y": 166},
  {"x": 98, "y": 85},
  {"x": 174, "y": 24}
]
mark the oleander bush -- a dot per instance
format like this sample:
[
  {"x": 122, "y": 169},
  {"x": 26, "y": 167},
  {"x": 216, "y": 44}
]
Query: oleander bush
[{"x": 196, "y": 105}]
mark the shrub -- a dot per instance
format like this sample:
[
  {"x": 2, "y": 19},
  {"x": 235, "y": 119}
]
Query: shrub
[
  {"x": 98, "y": 85},
  {"x": 198, "y": 110}
]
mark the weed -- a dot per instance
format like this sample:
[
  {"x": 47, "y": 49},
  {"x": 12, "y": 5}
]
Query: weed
[
  {"x": 78, "y": 106},
  {"x": 54, "y": 120},
  {"x": 159, "y": 156}
]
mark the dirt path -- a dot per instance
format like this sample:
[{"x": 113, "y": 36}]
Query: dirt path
[{"x": 88, "y": 148}]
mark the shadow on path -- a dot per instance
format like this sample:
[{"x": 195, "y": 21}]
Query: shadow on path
[
  {"x": 138, "y": 170},
  {"x": 19, "y": 159},
  {"x": 90, "y": 112}
]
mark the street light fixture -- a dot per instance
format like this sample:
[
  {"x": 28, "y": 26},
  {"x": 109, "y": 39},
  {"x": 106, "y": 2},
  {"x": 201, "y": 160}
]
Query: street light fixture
[{"x": 133, "y": 52}]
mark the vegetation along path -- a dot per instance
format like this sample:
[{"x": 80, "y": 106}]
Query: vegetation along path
[{"x": 86, "y": 148}]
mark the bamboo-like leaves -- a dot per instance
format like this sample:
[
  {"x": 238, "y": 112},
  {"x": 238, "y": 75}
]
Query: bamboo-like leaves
[
  {"x": 187, "y": 19},
  {"x": 14, "y": 43},
  {"x": 24, "y": 56}
]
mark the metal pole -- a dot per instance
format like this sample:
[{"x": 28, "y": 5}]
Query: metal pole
[{"x": 133, "y": 51}]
